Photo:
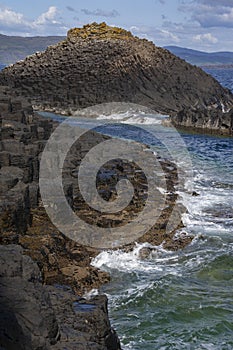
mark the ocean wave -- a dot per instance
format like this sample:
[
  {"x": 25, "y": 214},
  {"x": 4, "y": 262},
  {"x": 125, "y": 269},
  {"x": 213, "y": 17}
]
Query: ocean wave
[
  {"x": 134, "y": 118},
  {"x": 132, "y": 261}
]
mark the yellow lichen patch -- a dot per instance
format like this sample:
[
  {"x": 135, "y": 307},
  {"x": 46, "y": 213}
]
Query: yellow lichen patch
[{"x": 98, "y": 31}]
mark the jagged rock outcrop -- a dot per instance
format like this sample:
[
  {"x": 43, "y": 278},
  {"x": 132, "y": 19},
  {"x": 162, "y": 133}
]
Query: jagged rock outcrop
[
  {"x": 38, "y": 317},
  {"x": 23, "y": 136},
  {"x": 98, "y": 63},
  {"x": 205, "y": 120},
  {"x": 27, "y": 319},
  {"x": 22, "y": 217}
]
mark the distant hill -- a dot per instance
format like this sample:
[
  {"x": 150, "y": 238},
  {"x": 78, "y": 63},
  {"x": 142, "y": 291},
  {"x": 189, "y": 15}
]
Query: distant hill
[
  {"x": 16, "y": 48},
  {"x": 201, "y": 58}
]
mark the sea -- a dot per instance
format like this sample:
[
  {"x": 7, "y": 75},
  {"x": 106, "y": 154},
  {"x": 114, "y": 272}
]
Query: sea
[{"x": 183, "y": 299}]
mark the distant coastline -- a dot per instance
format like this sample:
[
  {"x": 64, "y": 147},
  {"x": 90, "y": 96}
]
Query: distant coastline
[
  {"x": 201, "y": 58},
  {"x": 217, "y": 66}
]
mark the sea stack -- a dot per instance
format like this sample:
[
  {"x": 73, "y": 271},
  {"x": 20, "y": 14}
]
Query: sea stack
[{"x": 99, "y": 64}]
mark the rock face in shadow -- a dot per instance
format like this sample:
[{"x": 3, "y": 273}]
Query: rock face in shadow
[
  {"x": 34, "y": 316},
  {"x": 210, "y": 121},
  {"x": 23, "y": 136},
  {"x": 98, "y": 63},
  {"x": 23, "y": 219},
  {"x": 37, "y": 317}
]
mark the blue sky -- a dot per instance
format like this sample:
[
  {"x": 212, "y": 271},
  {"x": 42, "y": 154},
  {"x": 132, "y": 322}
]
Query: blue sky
[{"x": 199, "y": 24}]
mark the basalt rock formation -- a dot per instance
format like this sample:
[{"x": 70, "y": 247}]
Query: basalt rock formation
[
  {"x": 97, "y": 64},
  {"x": 23, "y": 219},
  {"x": 35, "y": 317},
  {"x": 48, "y": 317},
  {"x": 214, "y": 121}
]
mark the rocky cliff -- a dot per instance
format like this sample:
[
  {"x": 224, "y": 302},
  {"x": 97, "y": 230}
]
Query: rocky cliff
[
  {"x": 47, "y": 317},
  {"x": 34, "y": 316},
  {"x": 214, "y": 121},
  {"x": 98, "y": 63},
  {"x": 38, "y": 317}
]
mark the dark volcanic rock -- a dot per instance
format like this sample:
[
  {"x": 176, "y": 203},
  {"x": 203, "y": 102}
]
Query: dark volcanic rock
[
  {"x": 210, "y": 121},
  {"x": 37, "y": 317},
  {"x": 22, "y": 217},
  {"x": 27, "y": 320},
  {"x": 98, "y": 64},
  {"x": 19, "y": 161}
]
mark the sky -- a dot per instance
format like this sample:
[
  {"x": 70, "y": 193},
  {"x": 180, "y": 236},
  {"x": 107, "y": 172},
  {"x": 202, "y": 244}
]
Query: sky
[{"x": 205, "y": 25}]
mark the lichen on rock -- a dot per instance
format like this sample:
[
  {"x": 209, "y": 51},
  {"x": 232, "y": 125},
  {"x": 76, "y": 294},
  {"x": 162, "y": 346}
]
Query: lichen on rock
[{"x": 98, "y": 31}]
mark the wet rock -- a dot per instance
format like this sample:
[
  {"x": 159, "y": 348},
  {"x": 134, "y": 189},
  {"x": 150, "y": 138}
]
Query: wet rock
[
  {"x": 88, "y": 326},
  {"x": 144, "y": 253},
  {"x": 213, "y": 120},
  {"x": 36, "y": 317},
  {"x": 195, "y": 194}
]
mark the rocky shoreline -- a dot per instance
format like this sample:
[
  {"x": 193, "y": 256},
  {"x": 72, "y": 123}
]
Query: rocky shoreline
[
  {"x": 26, "y": 229},
  {"x": 46, "y": 260},
  {"x": 205, "y": 121}
]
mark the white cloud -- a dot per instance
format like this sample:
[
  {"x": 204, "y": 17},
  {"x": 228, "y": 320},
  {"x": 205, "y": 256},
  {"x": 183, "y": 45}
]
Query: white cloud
[
  {"x": 209, "y": 17},
  {"x": 134, "y": 29},
  {"x": 192, "y": 35},
  {"x": 170, "y": 36},
  {"x": 208, "y": 25},
  {"x": 226, "y": 19},
  {"x": 206, "y": 38},
  {"x": 47, "y": 17},
  {"x": 13, "y": 23},
  {"x": 158, "y": 36},
  {"x": 9, "y": 17}
]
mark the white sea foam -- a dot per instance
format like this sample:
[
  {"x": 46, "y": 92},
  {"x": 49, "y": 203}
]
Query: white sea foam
[
  {"x": 142, "y": 120},
  {"x": 92, "y": 293},
  {"x": 130, "y": 262},
  {"x": 133, "y": 118},
  {"x": 115, "y": 116},
  {"x": 201, "y": 210}
]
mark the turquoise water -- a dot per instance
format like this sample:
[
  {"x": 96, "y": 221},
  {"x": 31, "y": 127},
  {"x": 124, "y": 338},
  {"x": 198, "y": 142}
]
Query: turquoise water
[{"x": 179, "y": 300}]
